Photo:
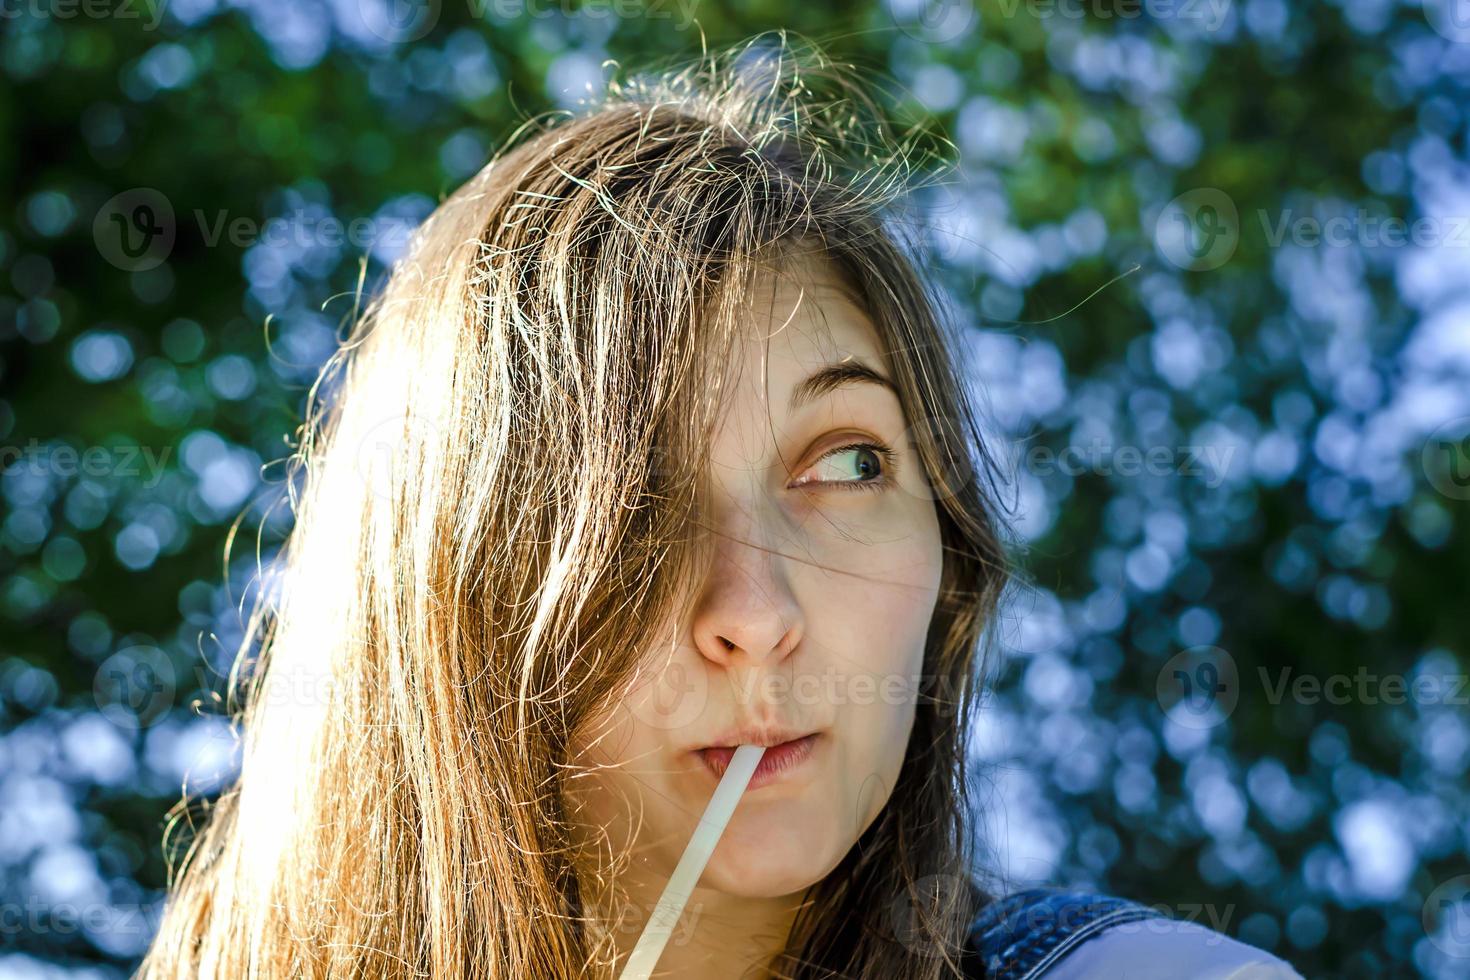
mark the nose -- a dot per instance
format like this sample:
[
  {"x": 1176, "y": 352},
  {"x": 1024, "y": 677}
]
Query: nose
[{"x": 747, "y": 613}]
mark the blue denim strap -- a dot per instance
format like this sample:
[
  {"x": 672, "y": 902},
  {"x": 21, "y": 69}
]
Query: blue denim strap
[{"x": 1021, "y": 936}]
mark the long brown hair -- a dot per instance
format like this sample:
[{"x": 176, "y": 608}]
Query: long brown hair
[{"x": 497, "y": 489}]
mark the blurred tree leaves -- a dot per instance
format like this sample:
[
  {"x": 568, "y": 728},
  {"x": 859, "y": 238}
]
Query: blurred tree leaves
[{"x": 1323, "y": 547}]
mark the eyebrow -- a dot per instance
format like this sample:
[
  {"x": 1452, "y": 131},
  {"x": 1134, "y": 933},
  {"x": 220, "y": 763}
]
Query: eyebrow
[{"x": 834, "y": 376}]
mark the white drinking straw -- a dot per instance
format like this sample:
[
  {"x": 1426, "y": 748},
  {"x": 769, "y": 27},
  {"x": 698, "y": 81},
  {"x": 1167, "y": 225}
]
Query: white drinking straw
[{"x": 691, "y": 865}]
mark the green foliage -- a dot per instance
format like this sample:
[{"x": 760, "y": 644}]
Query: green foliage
[{"x": 1329, "y": 542}]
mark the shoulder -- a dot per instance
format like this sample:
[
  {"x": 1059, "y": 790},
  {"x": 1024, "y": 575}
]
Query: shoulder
[
  {"x": 1165, "y": 948},
  {"x": 1071, "y": 935}
]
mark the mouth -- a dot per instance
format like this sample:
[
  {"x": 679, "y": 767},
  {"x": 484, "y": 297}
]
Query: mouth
[{"x": 782, "y": 760}]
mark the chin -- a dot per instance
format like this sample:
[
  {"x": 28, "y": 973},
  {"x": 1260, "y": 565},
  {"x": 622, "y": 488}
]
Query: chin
[{"x": 771, "y": 857}]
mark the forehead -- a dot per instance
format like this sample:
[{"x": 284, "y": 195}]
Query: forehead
[{"x": 802, "y": 314}]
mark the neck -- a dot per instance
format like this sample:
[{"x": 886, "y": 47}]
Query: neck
[{"x": 719, "y": 936}]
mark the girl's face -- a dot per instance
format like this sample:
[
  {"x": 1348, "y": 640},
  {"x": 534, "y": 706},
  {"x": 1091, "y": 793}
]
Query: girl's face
[{"x": 812, "y": 619}]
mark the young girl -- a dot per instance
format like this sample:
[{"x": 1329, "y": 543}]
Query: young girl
[{"x": 651, "y": 447}]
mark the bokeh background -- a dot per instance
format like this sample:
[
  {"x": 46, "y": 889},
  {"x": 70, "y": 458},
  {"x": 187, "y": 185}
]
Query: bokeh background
[{"x": 1233, "y": 682}]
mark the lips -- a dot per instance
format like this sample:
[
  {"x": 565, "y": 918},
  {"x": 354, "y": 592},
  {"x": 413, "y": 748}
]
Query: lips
[
  {"x": 780, "y": 761},
  {"x": 767, "y": 735}
]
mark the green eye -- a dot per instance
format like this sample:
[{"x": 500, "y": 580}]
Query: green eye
[{"x": 859, "y": 466}]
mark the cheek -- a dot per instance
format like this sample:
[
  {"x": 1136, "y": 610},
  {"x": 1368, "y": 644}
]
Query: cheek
[
  {"x": 872, "y": 624},
  {"x": 610, "y": 809},
  {"x": 627, "y": 785},
  {"x": 875, "y": 605},
  {"x": 881, "y": 656},
  {"x": 596, "y": 786}
]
